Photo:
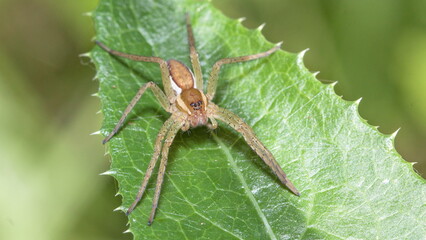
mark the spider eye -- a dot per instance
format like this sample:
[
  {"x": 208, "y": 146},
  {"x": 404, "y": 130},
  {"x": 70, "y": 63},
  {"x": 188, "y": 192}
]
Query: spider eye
[{"x": 196, "y": 105}]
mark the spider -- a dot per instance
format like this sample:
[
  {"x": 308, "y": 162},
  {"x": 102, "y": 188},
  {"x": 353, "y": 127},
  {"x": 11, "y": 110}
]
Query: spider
[{"x": 190, "y": 107}]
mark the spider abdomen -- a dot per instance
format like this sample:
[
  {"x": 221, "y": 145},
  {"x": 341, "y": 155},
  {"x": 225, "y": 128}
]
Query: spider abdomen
[{"x": 181, "y": 75}]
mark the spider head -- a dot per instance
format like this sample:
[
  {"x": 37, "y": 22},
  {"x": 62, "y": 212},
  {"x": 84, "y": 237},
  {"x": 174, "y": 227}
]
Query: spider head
[{"x": 193, "y": 102}]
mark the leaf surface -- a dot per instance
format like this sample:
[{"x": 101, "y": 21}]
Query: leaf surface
[{"x": 353, "y": 183}]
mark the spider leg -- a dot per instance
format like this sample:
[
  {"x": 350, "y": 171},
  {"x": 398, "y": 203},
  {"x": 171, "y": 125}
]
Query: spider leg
[
  {"x": 194, "y": 55},
  {"x": 165, "y": 75},
  {"x": 161, "y": 171},
  {"x": 157, "y": 150},
  {"x": 240, "y": 126},
  {"x": 213, "y": 124},
  {"x": 158, "y": 94},
  {"x": 212, "y": 83}
]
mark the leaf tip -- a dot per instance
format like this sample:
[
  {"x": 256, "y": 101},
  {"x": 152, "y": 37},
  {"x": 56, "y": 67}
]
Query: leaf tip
[
  {"x": 241, "y": 19},
  {"x": 95, "y": 77},
  {"x": 302, "y": 53},
  {"x": 88, "y": 14},
  {"x": 109, "y": 173},
  {"x": 300, "y": 57},
  {"x": 390, "y": 140},
  {"x": 261, "y": 26},
  {"x": 87, "y": 54},
  {"x": 120, "y": 208},
  {"x": 393, "y": 135},
  {"x": 358, "y": 101},
  {"x": 95, "y": 133}
]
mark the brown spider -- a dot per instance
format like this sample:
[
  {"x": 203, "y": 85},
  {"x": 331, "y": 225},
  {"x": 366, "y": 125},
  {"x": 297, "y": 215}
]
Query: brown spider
[{"x": 183, "y": 97}]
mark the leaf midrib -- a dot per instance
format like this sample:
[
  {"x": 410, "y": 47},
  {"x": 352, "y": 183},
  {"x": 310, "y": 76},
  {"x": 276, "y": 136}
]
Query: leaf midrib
[
  {"x": 246, "y": 188},
  {"x": 195, "y": 210}
]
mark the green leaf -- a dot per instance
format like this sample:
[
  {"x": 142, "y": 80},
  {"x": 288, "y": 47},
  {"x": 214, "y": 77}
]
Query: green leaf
[{"x": 353, "y": 183}]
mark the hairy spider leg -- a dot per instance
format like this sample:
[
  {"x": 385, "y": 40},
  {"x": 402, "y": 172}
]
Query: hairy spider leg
[
  {"x": 158, "y": 93},
  {"x": 165, "y": 76},
  {"x": 157, "y": 150},
  {"x": 194, "y": 55},
  {"x": 162, "y": 169},
  {"x": 240, "y": 126},
  {"x": 212, "y": 83},
  {"x": 213, "y": 123}
]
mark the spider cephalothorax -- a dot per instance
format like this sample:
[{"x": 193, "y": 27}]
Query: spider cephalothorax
[
  {"x": 184, "y": 98},
  {"x": 193, "y": 102}
]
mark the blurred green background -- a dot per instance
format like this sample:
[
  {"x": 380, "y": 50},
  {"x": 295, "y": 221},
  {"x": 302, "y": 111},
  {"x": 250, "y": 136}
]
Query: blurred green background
[{"x": 49, "y": 164}]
